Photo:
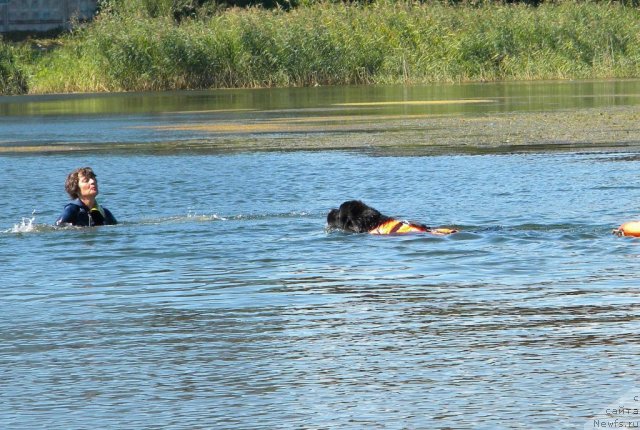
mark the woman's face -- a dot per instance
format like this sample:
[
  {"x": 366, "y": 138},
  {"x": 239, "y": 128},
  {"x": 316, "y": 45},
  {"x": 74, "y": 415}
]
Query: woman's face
[{"x": 88, "y": 186}]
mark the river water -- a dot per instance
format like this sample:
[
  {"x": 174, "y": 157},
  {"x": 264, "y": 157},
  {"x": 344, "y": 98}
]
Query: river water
[{"x": 220, "y": 300}]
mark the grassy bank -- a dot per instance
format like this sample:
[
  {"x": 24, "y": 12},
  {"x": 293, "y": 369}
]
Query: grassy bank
[
  {"x": 327, "y": 44},
  {"x": 13, "y": 79}
]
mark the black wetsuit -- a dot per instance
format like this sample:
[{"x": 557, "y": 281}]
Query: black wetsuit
[{"x": 76, "y": 213}]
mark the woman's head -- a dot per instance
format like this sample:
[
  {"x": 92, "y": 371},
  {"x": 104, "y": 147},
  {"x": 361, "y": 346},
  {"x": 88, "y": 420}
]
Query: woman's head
[{"x": 81, "y": 182}]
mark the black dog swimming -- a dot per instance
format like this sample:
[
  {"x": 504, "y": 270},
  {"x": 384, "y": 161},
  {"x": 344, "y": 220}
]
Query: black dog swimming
[{"x": 357, "y": 217}]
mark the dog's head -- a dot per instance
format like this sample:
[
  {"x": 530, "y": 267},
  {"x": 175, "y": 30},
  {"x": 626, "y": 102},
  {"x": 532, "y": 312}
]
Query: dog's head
[{"x": 355, "y": 216}]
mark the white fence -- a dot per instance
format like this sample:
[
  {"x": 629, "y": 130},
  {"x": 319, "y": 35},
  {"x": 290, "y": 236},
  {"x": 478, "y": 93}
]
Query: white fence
[{"x": 43, "y": 15}]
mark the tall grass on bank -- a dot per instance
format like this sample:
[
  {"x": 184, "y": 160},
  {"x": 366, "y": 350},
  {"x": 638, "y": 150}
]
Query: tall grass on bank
[
  {"x": 328, "y": 44},
  {"x": 12, "y": 78}
]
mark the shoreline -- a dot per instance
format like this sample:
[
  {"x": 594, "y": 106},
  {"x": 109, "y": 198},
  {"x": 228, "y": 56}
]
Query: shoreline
[{"x": 614, "y": 128}]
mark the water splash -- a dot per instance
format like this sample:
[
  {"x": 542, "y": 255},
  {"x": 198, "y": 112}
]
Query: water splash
[
  {"x": 27, "y": 225},
  {"x": 202, "y": 217}
]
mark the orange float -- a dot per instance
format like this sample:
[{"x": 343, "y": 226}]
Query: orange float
[{"x": 631, "y": 228}]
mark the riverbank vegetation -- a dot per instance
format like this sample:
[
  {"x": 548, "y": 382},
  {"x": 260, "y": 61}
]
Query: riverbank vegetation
[
  {"x": 321, "y": 43},
  {"x": 12, "y": 78}
]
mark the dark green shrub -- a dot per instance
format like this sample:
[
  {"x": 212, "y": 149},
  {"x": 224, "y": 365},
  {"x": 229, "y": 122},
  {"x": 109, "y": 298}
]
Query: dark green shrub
[{"x": 12, "y": 79}]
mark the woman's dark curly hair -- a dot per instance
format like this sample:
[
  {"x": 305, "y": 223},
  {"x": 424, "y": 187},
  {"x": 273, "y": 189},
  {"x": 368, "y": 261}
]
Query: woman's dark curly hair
[{"x": 71, "y": 184}]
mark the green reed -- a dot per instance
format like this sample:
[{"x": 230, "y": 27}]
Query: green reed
[
  {"x": 334, "y": 43},
  {"x": 13, "y": 79}
]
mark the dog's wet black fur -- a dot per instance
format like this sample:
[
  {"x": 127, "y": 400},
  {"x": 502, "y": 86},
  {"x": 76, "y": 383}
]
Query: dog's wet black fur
[{"x": 355, "y": 216}]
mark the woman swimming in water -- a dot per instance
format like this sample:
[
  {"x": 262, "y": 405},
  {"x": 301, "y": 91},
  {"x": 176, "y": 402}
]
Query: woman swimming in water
[{"x": 84, "y": 210}]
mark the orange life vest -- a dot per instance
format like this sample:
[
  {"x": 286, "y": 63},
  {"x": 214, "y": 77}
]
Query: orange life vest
[{"x": 398, "y": 227}]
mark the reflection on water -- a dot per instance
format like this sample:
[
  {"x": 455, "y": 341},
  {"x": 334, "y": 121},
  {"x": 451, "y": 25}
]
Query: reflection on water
[
  {"x": 221, "y": 301},
  {"x": 426, "y": 117},
  {"x": 434, "y": 99}
]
